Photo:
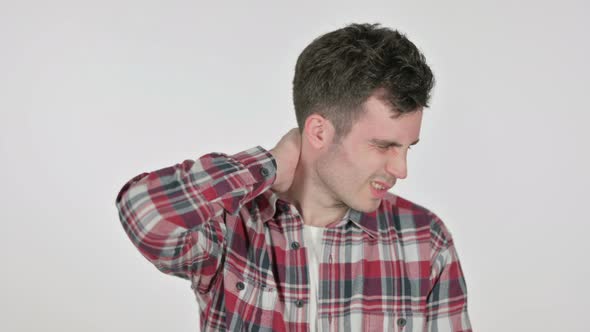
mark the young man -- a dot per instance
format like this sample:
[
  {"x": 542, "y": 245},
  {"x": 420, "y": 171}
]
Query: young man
[{"x": 306, "y": 236}]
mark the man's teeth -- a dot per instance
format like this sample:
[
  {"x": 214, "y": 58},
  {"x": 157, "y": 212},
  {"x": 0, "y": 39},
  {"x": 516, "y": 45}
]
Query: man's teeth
[{"x": 377, "y": 186}]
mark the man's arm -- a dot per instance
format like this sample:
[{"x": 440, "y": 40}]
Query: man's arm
[
  {"x": 175, "y": 215},
  {"x": 447, "y": 301}
]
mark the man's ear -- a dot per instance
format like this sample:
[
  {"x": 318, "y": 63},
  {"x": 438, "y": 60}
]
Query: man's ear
[{"x": 318, "y": 131}]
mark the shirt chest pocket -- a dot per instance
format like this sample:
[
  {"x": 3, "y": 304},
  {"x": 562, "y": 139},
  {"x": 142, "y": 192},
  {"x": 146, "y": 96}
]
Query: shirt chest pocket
[
  {"x": 395, "y": 322},
  {"x": 250, "y": 305}
]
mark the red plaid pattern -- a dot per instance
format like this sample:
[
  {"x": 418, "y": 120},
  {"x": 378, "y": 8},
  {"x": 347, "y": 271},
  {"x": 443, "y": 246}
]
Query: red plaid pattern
[{"x": 215, "y": 222}]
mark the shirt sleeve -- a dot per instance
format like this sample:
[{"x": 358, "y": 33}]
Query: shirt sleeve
[
  {"x": 447, "y": 300},
  {"x": 175, "y": 215}
]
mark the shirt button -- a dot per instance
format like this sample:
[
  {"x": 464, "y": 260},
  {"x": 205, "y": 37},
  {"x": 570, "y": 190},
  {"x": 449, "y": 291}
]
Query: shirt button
[
  {"x": 294, "y": 245},
  {"x": 264, "y": 171},
  {"x": 285, "y": 208},
  {"x": 299, "y": 303},
  {"x": 240, "y": 285},
  {"x": 401, "y": 322}
]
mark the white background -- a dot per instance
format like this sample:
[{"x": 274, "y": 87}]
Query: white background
[{"x": 94, "y": 93}]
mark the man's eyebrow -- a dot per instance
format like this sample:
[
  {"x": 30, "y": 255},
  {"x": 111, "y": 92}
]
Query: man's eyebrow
[{"x": 384, "y": 142}]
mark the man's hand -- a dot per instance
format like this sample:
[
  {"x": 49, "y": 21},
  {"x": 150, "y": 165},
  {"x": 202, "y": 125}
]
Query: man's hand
[{"x": 286, "y": 154}]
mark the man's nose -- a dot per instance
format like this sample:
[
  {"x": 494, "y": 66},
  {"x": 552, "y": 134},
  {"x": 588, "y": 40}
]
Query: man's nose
[{"x": 397, "y": 165}]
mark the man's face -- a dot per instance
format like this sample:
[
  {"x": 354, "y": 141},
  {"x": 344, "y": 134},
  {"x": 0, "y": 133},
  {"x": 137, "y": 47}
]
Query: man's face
[{"x": 358, "y": 171}]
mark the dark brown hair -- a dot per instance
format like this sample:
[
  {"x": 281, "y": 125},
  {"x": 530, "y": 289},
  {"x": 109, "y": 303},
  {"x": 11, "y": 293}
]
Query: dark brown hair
[{"x": 339, "y": 70}]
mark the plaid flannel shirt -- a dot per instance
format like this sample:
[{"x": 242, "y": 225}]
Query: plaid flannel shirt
[{"x": 215, "y": 222}]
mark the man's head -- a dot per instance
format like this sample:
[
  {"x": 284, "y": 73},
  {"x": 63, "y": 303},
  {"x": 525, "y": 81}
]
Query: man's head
[
  {"x": 359, "y": 94},
  {"x": 339, "y": 70}
]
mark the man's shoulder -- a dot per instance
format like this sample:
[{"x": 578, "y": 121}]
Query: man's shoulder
[
  {"x": 407, "y": 216},
  {"x": 394, "y": 201}
]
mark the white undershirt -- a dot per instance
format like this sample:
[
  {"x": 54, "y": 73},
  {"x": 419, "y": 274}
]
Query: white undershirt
[{"x": 313, "y": 242}]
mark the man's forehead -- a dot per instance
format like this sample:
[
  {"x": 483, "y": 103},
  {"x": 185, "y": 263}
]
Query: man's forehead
[
  {"x": 385, "y": 120},
  {"x": 384, "y": 129}
]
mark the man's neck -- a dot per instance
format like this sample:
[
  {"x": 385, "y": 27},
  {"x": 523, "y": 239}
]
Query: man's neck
[{"x": 314, "y": 201}]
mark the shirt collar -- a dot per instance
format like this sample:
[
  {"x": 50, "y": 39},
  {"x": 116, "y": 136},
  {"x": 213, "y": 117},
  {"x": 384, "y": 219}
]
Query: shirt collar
[
  {"x": 268, "y": 204},
  {"x": 367, "y": 221}
]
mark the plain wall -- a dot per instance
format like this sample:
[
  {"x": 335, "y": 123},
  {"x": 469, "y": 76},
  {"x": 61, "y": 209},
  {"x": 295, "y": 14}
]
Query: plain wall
[{"x": 94, "y": 93}]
